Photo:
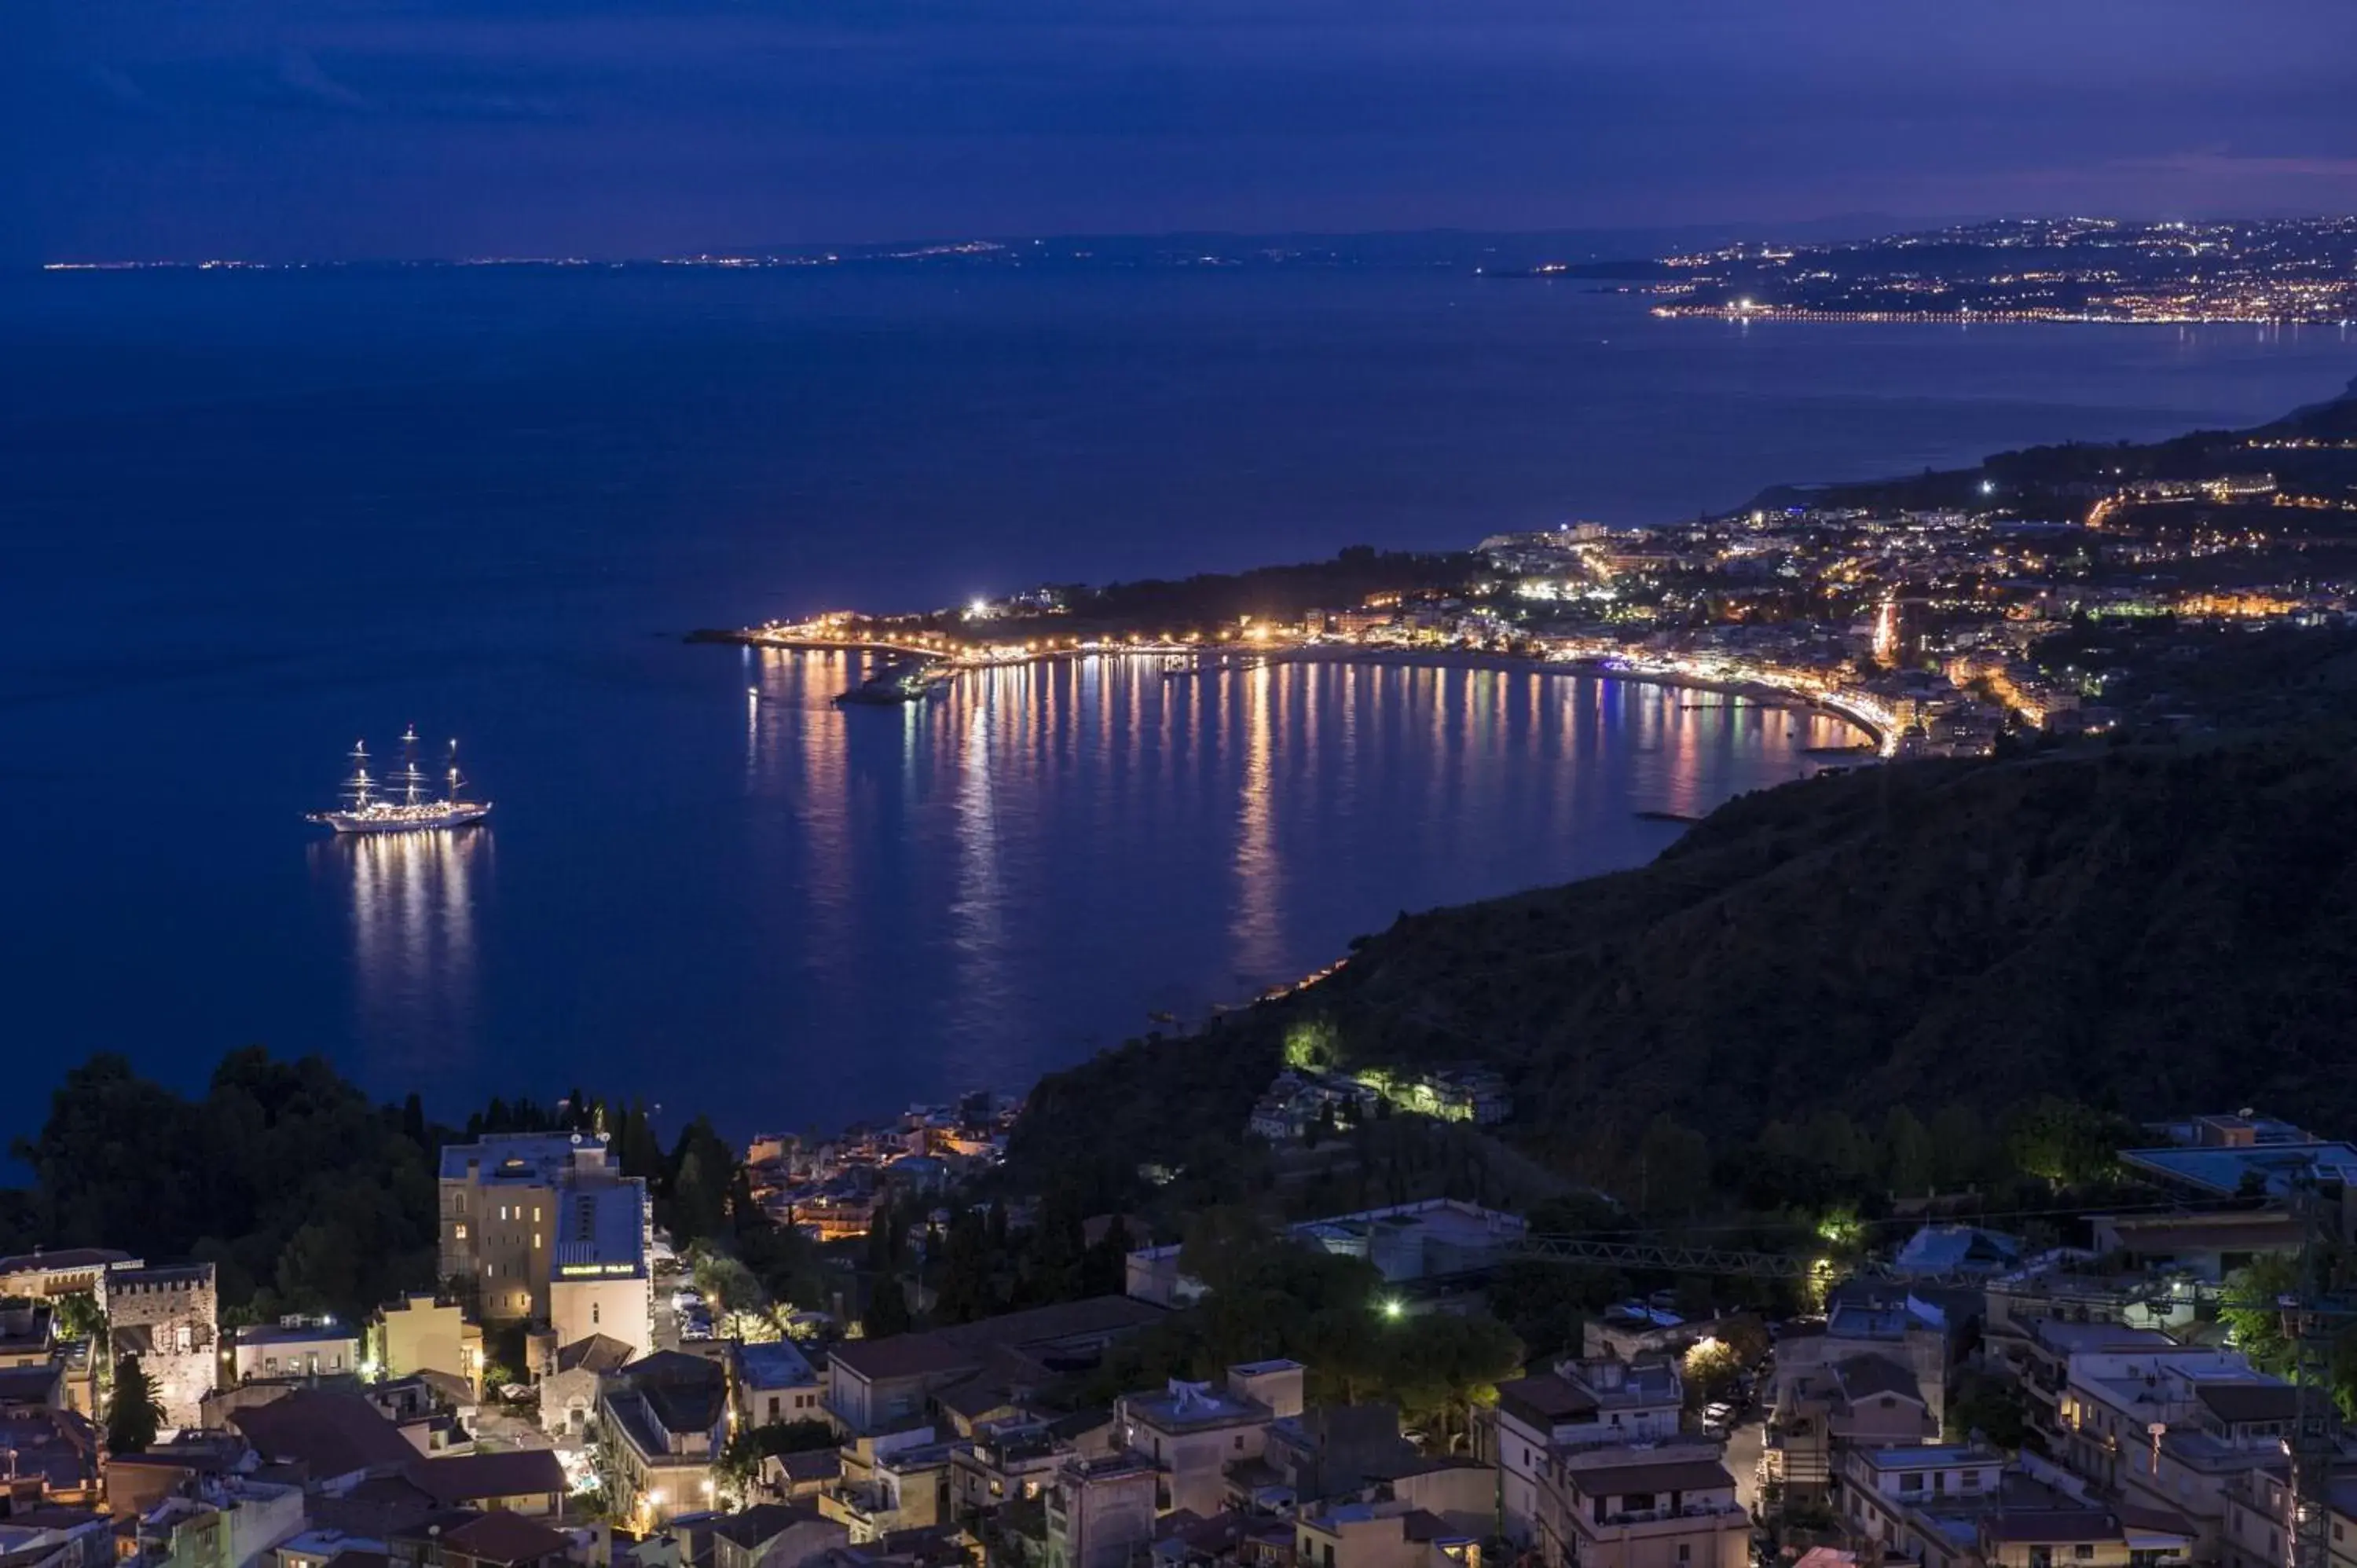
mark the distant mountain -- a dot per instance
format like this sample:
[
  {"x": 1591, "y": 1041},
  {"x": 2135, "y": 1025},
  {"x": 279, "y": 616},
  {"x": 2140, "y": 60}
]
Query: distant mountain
[{"x": 2156, "y": 930}]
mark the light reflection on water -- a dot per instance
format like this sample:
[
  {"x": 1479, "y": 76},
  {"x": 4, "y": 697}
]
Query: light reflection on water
[
  {"x": 413, "y": 903},
  {"x": 854, "y": 908}
]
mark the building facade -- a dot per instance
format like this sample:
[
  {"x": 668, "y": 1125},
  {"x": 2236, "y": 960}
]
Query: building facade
[{"x": 168, "y": 1318}]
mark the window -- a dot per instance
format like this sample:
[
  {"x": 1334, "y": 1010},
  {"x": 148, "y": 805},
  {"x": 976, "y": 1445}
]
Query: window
[
  {"x": 1685, "y": 1552},
  {"x": 593, "y": 1312},
  {"x": 2083, "y": 1552},
  {"x": 1911, "y": 1483},
  {"x": 535, "y": 1240},
  {"x": 1240, "y": 1441},
  {"x": 459, "y": 1231}
]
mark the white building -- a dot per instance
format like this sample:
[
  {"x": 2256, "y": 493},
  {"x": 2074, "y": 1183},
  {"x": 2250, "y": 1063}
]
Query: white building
[
  {"x": 499, "y": 1220},
  {"x": 599, "y": 1280},
  {"x": 295, "y": 1348}
]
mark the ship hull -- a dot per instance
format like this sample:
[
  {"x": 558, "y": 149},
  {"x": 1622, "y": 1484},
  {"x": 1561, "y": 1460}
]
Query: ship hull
[{"x": 421, "y": 822}]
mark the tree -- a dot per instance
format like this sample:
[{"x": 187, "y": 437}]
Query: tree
[
  {"x": 887, "y": 1310},
  {"x": 740, "y": 1461},
  {"x": 2251, "y": 1314},
  {"x": 135, "y": 1415},
  {"x": 967, "y": 1289},
  {"x": 1989, "y": 1406},
  {"x": 1908, "y": 1160},
  {"x": 1673, "y": 1167},
  {"x": 2062, "y": 1142},
  {"x": 79, "y": 1316},
  {"x": 1442, "y": 1365}
]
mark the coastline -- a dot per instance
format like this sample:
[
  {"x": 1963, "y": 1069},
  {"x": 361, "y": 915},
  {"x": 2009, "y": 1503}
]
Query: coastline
[{"x": 1876, "y": 728}]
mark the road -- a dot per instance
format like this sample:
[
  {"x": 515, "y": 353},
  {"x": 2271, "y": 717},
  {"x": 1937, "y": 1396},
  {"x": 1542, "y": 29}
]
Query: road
[{"x": 1743, "y": 1447}]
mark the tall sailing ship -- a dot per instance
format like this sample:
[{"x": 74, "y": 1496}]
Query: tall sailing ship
[{"x": 403, "y": 802}]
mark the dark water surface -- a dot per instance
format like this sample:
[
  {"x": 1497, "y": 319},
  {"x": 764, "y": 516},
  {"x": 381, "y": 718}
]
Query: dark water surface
[{"x": 246, "y": 517}]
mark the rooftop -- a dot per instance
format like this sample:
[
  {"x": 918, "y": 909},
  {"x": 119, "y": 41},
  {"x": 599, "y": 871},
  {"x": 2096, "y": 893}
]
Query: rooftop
[
  {"x": 331, "y": 1432},
  {"x": 299, "y": 1333},
  {"x": 1648, "y": 1474},
  {"x": 777, "y": 1365},
  {"x": 532, "y": 1158},
  {"x": 505, "y": 1536},
  {"x": 2236, "y": 1402},
  {"x": 1186, "y": 1407},
  {"x": 65, "y": 1260},
  {"x": 944, "y": 1350},
  {"x": 1933, "y": 1456},
  {"x": 478, "y": 1477},
  {"x": 1544, "y": 1400},
  {"x": 2221, "y": 1171},
  {"x": 600, "y": 1231}
]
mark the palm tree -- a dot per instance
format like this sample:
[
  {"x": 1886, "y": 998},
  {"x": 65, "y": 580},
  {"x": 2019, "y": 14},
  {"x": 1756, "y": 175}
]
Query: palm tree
[{"x": 135, "y": 1415}]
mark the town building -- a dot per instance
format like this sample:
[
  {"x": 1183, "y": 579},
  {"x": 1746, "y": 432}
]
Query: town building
[
  {"x": 294, "y": 1347},
  {"x": 1326, "y": 1451},
  {"x": 1192, "y": 1432},
  {"x": 1667, "y": 1507},
  {"x": 168, "y": 1318},
  {"x": 571, "y": 1380},
  {"x": 773, "y": 1382},
  {"x": 773, "y": 1535},
  {"x": 516, "y": 1480},
  {"x": 1101, "y": 1512},
  {"x": 69, "y": 1271},
  {"x": 890, "y": 1482},
  {"x": 883, "y": 1385},
  {"x": 425, "y": 1333},
  {"x": 1899, "y": 1499},
  {"x": 599, "y": 1282},
  {"x": 663, "y": 1422},
  {"x": 1386, "y": 1534},
  {"x": 499, "y": 1225},
  {"x": 1580, "y": 1406}
]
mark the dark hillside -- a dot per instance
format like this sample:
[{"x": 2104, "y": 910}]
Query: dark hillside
[{"x": 2157, "y": 930}]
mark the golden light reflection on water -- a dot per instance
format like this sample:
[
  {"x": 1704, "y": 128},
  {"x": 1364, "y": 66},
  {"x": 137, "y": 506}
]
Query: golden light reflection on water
[
  {"x": 977, "y": 823},
  {"x": 411, "y": 898},
  {"x": 1259, "y": 925}
]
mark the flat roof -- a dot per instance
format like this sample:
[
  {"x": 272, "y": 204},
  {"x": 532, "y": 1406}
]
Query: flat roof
[
  {"x": 1183, "y": 1406},
  {"x": 542, "y": 1156},
  {"x": 600, "y": 1231},
  {"x": 1934, "y": 1457},
  {"x": 284, "y": 1334},
  {"x": 2221, "y": 1171}
]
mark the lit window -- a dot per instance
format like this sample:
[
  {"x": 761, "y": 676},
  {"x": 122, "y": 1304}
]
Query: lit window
[{"x": 460, "y": 1232}]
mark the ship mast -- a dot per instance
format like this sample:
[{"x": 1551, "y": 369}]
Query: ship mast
[
  {"x": 359, "y": 788},
  {"x": 454, "y": 780},
  {"x": 409, "y": 774}
]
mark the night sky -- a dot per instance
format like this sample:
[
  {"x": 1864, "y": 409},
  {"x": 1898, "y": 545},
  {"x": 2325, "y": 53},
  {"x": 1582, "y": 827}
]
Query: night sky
[{"x": 278, "y": 129}]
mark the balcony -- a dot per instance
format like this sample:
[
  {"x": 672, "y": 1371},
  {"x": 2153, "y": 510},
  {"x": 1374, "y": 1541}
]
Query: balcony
[{"x": 1691, "y": 1512}]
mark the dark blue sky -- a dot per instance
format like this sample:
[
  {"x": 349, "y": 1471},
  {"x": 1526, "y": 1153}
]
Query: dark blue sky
[{"x": 277, "y": 128}]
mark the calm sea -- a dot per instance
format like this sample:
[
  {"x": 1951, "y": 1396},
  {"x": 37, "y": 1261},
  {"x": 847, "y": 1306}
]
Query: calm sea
[{"x": 248, "y": 517}]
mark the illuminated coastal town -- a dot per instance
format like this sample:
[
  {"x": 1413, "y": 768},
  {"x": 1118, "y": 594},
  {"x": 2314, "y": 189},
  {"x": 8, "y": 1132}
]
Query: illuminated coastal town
[
  {"x": 2292, "y": 271},
  {"x": 2039, "y": 595}
]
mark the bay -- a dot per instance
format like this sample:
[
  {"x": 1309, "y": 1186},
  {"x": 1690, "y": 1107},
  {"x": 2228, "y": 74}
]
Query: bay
[{"x": 248, "y": 516}]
